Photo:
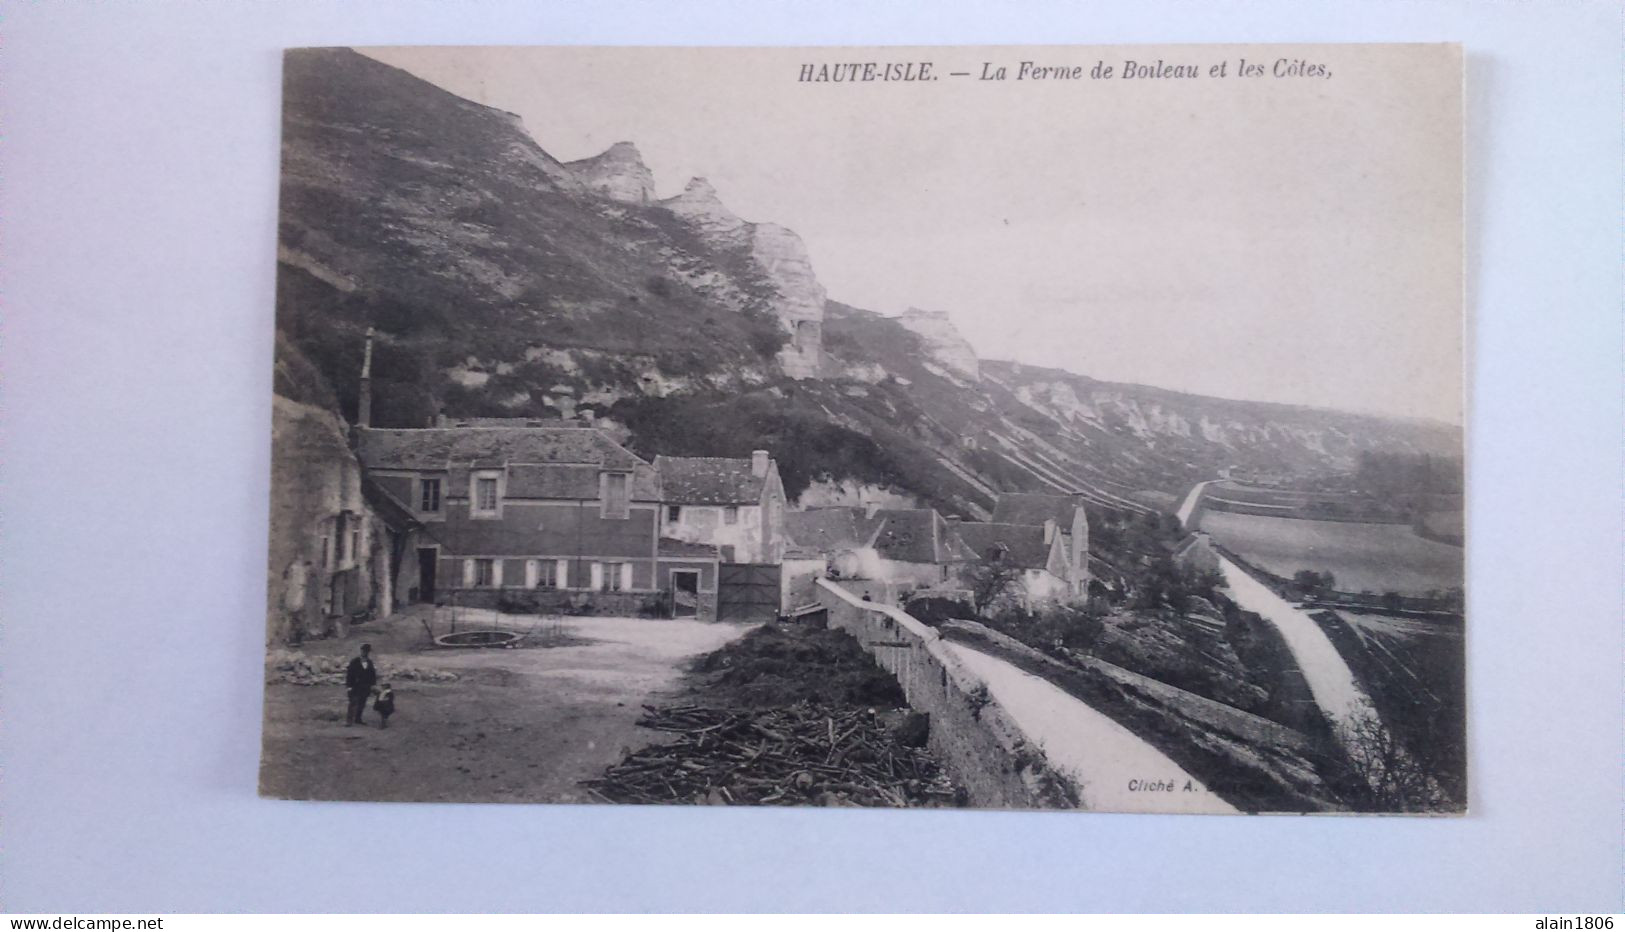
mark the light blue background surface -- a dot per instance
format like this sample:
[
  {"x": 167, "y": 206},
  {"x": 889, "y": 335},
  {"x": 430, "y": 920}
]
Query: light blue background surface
[{"x": 138, "y": 207}]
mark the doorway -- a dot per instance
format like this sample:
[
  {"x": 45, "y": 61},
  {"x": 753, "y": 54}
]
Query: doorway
[
  {"x": 685, "y": 593},
  {"x": 428, "y": 560}
]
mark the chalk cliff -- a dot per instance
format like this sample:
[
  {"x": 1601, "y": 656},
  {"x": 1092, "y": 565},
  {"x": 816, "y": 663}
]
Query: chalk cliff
[
  {"x": 702, "y": 209},
  {"x": 617, "y": 173},
  {"x": 943, "y": 342},
  {"x": 781, "y": 258}
]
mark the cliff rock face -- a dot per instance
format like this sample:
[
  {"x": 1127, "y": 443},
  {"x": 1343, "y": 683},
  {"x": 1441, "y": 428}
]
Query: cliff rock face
[
  {"x": 701, "y": 209},
  {"x": 943, "y": 342},
  {"x": 781, "y": 257},
  {"x": 617, "y": 173},
  {"x": 800, "y": 303}
]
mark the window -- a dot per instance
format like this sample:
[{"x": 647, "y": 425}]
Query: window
[
  {"x": 730, "y": 515},
  {"x": 325, "y": 554},
  {"x": 616, "y": 496},
  {"x": 485, "y": 573},
  {"x": 355, "y": 544},
  {"x": 429, "y": 495},
  {"x": 674, "y": 514},
  {"x": 486, "y": 500},
  {"x": 542, "y": 574},
  {"x": 613, "y": 577}
]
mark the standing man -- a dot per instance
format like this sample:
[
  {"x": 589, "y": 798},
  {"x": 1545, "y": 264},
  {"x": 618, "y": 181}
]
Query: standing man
[{"x": 359, "y": 678}]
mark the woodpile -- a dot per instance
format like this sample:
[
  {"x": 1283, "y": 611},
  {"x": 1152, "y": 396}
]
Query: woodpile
[{"x": 798, "y": 755}]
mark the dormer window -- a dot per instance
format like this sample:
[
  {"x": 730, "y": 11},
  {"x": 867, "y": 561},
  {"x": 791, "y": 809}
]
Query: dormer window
[{"x": 485, "y": 495}]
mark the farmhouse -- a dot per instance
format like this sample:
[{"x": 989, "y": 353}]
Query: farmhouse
[
  {"x": 1062, "y": 515},
  {"x": 736, "y": 505},
  {"x": 556, "y": 516},
  {"x": 894, "y": 550},
  {"x": 1036, "y": 550}
]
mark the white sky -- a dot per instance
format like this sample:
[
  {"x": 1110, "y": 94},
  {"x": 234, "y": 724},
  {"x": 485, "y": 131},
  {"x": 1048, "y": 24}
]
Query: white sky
[{"x": 1292, "y": 239}]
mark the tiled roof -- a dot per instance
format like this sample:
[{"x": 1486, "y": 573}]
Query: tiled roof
[
  {"x": 1033, "y": 509},
  {"x": 1023, "y": 543},
  {"x": 829, "y": 530},
  {"x": 710, "y": 480},
  {"x": 394, "y": 512},
  {"x": 907, "y": 535},
  {"x": 918, "y": 535},
  {"x": 490, "y": 447},
  {"x": 825, "y": 530},
  {"x": 542, "y": 462}
]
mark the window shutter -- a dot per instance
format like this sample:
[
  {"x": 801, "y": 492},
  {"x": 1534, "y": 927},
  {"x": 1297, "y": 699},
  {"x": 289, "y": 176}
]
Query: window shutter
[
  {"x": 626, "y": 576},
  {"x": 468, "y": 574},
  {"x": 562, "y": 580},
  {"x": 598, "y": 576},
  {"x": 496, "y": 573},
  {"x": 533, "y": 572}
]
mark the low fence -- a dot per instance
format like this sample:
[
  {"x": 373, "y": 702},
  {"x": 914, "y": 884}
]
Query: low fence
[{"x": 981, "y": 746}]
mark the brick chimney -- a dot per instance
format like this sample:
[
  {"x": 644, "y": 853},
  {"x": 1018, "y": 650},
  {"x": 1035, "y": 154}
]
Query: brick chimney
[
  {"x": 758, "y": 463},
  {"x": 1049, "y": 530},
  {"x": 363, "y": 414}
]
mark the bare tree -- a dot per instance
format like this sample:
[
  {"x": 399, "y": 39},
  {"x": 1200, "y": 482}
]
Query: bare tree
[
  {"x": 990, "y": 579},
  {"x": 1390, "y": 777}
]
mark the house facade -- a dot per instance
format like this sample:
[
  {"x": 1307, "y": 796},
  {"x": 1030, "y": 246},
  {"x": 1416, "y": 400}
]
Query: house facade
[
  {"x": 1065, "y": 517},
  {"x": 552, "y": 517},
  {"x": 895, "y": 550},
  {"x": 1038, "y": 552},
  {"x": 736, "y": 505}
]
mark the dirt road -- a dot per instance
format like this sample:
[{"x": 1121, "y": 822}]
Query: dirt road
[
  {"x": 1114, "y": 769},
  {"x": 515, "y": 726}
]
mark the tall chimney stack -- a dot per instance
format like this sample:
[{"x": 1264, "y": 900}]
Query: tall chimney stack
[
  {"x": 758, "y": 463},
  {"x": 363, "y": 414}
]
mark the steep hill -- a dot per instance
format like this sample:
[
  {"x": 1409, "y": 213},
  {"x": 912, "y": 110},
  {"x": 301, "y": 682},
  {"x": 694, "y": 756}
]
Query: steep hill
[{"x": 503, "y": 282}]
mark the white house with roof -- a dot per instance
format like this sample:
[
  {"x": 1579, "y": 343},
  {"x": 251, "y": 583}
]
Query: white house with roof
[
  {"x": 1062, "y": 519},
  {"x": 734, "y": 504}
]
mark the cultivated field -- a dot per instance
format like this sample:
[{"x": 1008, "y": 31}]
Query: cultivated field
[{"x": 1375, "y": 557}]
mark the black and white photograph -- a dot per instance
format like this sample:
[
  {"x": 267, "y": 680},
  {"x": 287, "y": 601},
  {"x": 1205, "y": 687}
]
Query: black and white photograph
[{"x": 1008, "y": 428}]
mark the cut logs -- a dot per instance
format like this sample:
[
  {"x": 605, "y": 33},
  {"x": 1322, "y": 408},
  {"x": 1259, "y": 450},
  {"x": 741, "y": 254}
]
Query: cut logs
[{"x": 798, "y": 755}]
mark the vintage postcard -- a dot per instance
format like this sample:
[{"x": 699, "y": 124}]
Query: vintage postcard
[{"x": 1027, "y": 427}]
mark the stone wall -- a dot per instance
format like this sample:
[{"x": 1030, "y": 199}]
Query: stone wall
[{"x": 983, "y": 749}]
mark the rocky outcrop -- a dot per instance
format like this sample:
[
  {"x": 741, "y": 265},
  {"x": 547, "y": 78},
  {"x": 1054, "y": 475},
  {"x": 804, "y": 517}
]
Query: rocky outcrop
[
  {"x": 800, "y": 301},
  {"x": 617, "y": 173},
  {"x": 701, "y": 209},
  {"x": 943, "y": 342},
  {"x": 781, "y": 257}
]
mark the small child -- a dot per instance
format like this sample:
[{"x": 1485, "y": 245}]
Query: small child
[{"x": 384, "y": 704}]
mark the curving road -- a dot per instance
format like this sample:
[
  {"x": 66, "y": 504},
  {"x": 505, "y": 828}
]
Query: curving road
[
  {"x": 1115, "y": 770},
  {"x": 1330, "y": 680}
]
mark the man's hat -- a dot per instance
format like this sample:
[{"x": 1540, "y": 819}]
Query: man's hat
[{"x": 366, "y": 647}]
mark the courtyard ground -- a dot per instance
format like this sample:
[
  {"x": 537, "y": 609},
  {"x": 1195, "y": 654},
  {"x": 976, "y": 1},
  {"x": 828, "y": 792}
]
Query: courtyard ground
[{"x": 520, "y": 725}]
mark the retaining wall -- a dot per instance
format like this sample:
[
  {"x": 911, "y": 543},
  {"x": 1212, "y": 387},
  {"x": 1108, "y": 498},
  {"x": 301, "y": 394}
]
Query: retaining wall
[{"x": 980, "y": 745}]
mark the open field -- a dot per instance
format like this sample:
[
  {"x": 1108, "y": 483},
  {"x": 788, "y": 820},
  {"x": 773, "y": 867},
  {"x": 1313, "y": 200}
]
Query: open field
[
  {"x": 476, "y": 725},
  {"x": 1375, "y": 557}
]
